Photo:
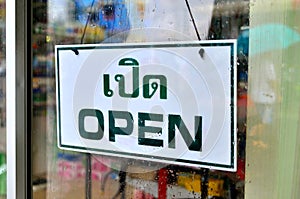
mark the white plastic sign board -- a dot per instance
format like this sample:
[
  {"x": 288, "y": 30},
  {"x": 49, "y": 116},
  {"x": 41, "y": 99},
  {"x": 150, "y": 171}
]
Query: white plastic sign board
[{"x": 173, "y": 103}]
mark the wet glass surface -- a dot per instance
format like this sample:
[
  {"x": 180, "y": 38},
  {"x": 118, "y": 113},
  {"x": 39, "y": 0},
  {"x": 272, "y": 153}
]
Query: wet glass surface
[{"x": 62, "y": 173}]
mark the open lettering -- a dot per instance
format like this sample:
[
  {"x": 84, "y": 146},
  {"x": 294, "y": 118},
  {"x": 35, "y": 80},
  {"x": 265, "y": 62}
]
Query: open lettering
[{"x": 174, "y": 122}]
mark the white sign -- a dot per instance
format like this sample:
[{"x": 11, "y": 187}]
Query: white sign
[{"x": 167, "y": 102}]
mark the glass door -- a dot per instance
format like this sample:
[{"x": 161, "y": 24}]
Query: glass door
[
  {"x": 80, "y": 103},
  {"x": 61, "y": 173}
]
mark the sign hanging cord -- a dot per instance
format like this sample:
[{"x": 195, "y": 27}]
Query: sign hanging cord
[
  {"x": 87, "y": 21},
  {"x": 192, "y": 17}
]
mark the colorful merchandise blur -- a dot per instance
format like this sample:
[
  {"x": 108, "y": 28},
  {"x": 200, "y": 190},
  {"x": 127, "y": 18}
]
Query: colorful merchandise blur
[
  {"x": 110, "y": 16},
  {"x": 86, "y": 21},
  {"x": 115, "y": 21}
]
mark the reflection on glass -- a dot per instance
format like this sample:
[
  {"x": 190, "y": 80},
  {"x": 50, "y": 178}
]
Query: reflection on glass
[{"x": 62, "y": 174}]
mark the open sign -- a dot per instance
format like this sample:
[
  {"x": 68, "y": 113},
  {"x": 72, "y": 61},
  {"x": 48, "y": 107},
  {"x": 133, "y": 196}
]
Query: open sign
[{"x": 171, "y": 103}]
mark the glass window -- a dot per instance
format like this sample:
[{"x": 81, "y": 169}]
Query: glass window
[
  {"x": 265, "y": 95},
  {"x": 64, "y": 173}
]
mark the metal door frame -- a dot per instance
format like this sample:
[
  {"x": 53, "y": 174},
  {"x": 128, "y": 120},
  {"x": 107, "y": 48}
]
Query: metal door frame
[{"x": 18, "y": 98}]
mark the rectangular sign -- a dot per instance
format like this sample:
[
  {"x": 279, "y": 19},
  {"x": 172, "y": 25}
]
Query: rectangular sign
[{"x": 167, "y": 102}]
